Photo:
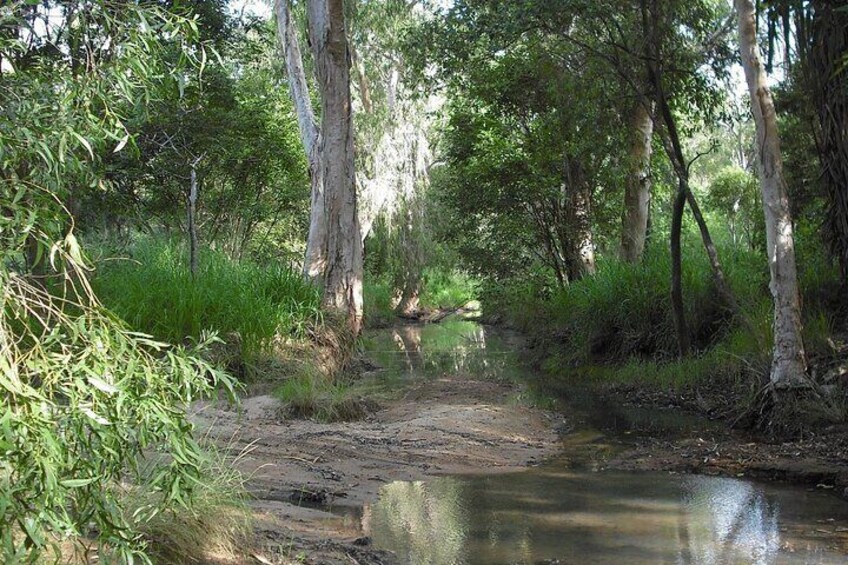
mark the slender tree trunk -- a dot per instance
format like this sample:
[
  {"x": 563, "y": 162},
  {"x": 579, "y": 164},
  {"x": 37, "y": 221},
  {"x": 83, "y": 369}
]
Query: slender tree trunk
[
  {"x": 412, "y": 252},
  {"x": 637, "y": 190},
  {"x": 362, "y": 81},
  {"x": 315, "y": 260},
  {"x": 789, "y": 361},
  {"x": 192, "y": 222},
  {"x": 674, "y": 149},
  {"x": 582, "y": 261},
  {"x": 677, "y": 310},
  {"x": 343, "y": 275},
  {"x": 719, "y": 279}
]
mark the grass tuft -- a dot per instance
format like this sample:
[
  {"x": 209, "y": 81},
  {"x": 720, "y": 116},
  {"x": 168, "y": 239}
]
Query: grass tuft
[
  {"x": 216, "y": 527},
  {"x": 314, "y": 395}
]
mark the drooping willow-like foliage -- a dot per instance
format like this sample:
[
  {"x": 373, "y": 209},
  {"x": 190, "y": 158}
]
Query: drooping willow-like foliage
[{"x": 83, "y": 401}]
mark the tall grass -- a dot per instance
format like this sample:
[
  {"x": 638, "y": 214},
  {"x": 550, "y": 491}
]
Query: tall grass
[
  {"x": 448, "y": 288},
  {"x": 617, "y": 326},
  {"x": 624, "y": 312},
  {"x": 249, "y": 305}
]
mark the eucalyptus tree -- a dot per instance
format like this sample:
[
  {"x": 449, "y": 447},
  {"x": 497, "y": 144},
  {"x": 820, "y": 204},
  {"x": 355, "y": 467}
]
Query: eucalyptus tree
[
  {"x": 396, "y": 121},
  {"x": 334, "y": 245},
  {"x": 789, "y": 361},
  {"x": 84, "y": 400},
  {"x": 344, "y": 252},
  {"x": 675, "y": 51},
  {"x": 535, "y": 127},
  {"x": 637, "y": 189}
]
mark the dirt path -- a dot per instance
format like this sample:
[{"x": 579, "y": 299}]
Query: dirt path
[{"x": 298, "y": 469}]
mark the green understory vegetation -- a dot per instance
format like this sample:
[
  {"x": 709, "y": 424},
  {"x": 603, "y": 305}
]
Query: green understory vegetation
[
  {"x": 443, "y": 288},
  {"x": 253, "y": 308},
  {"x": 615, "y": 327}
]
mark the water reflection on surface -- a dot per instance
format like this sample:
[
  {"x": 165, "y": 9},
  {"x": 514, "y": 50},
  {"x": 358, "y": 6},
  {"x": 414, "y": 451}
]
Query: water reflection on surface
[
  {"x": 549, "y": 514},
  {"x": 454, "y": 347},
  {"x": 562, "y": 513}
]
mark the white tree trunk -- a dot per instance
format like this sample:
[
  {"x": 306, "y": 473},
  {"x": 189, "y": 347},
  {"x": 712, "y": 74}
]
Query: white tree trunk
[
  {"x": 584, "y": 241},
  {"x": 315, "y": 260},
  {"x": 789, "y": 361},
  {"x": 343, "y": 274},
  {"x": 637, "y": 190}
]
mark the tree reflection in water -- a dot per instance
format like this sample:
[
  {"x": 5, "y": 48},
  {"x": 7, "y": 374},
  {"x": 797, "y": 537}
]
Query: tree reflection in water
[
  {"x": 423, "y": 522},
  {"x": 549, "y": 513},
  {"x": 452, "y": 348}
]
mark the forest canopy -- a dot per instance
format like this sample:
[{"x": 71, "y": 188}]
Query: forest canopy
[{"x": 196, "y": 192}]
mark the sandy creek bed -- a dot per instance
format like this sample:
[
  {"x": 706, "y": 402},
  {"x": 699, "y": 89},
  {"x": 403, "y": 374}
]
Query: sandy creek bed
[{"x": 412, "y": 477}]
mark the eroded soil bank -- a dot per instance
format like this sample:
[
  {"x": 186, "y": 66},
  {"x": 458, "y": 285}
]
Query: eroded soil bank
[{"x": 817, "y": 459}]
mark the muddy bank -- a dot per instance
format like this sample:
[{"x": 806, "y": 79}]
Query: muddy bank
[
  {"x": 309, "y": 480},
  {"x": 667, "y": 432},
  {"x": 819, "y": 460}
]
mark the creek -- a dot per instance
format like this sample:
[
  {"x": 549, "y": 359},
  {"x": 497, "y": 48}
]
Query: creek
[{"x": 566, "y": 510}]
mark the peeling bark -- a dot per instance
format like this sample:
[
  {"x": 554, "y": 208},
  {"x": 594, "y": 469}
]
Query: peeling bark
[
  {"x": 789, "y": 365},
  {"x": 343, "y": 273},
  {"x": 315, "y": 259}
]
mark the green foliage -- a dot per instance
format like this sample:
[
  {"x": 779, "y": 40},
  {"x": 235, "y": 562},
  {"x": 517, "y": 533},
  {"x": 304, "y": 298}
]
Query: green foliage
[
  {"x": 443, "y": 288},
  {"x": 248, "y": 304},
  {"x": 84, "y": 401},
  {"x": 622, "y": 312},
  {"x": 312, "y": 394},
  {"x": 616, "y": 328},
  {"x": 238, "y": 128},
  {"x": 516, "y": 161},
  {"x": 379, "y": 300},
  {"x": 217, "y": 523},
  {"x": 735, "y": 194}
]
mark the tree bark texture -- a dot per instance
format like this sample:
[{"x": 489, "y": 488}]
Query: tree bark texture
[
  {"x": 581, "y": 260},
  {"x": 343, "y": 273},
  {"x": 825, "y": 73},
  {"x": 192, "y": 222},
  {"x": 315, "y": 260},
  {"x": 789, "y": 361},
  {"x": 637, "y": 190}
]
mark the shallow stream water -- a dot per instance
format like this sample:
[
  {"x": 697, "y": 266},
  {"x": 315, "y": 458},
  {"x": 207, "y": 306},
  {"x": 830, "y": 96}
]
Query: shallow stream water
[{"x": 564, "y": 512}]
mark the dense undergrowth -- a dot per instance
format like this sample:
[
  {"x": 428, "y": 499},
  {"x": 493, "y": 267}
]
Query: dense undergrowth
[
  {"x": 267, "y": 317},
  {"x": 442, "y": 288},
  {"x": 251, "y": 307},
  {"x": 616, "y": 328}
]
